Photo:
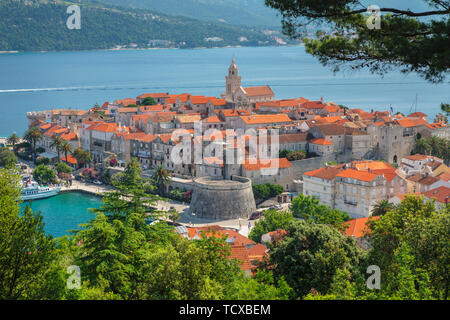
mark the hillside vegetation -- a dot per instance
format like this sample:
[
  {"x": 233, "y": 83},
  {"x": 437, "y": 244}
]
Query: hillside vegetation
[{"x": 38, "y": 25}]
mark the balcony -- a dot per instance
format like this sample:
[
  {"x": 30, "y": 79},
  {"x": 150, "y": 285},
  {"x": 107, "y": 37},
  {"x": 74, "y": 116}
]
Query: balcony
[
  {"x": 158, "y": 156},
  {"x": 351, "y": 203},
  {"x": 144, "y": 154}
]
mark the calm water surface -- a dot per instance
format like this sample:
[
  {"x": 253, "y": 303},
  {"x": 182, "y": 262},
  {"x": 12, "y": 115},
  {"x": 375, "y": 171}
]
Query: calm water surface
[
  {"x": 66, "y": 211},
  {"x": 41, "y": 81}
]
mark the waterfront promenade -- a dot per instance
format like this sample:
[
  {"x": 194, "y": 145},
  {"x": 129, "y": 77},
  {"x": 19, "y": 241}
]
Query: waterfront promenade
[{"x": 186, "y": 219}]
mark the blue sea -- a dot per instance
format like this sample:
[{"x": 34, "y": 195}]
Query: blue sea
[
  {"x": 65, "y": 212},
  {"x": 41, "y": 81}
]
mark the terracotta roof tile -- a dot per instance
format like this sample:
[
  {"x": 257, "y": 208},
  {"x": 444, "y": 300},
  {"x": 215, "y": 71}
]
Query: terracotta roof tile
[
  {"x": 262, "y": 164},
  {"x": 259, "y": 91},
  {"x": 441, "y": 194},
  {"x": 327, "y": 173},
  {"x": 321, "y": 141},
  {"x": 358, "y": 227},
  {"x": 266, "y": 118},
  {"x": 358, "y": 175}
]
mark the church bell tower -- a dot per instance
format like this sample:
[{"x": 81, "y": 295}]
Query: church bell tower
[{"x": 233, "y": 81}]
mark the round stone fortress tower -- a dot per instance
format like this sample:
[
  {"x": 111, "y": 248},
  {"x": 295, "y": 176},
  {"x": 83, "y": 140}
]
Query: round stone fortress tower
[{"x": 216, "y": 198}]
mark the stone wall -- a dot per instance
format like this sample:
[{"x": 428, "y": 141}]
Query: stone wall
[
  {"x": 215, "y": 198},
  {"x": 302, "y": 166}
]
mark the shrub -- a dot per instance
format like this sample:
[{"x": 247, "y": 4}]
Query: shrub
[{"x": 42, "y": 160}]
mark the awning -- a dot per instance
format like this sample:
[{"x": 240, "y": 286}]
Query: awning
[{"x": 49, "y": 155}]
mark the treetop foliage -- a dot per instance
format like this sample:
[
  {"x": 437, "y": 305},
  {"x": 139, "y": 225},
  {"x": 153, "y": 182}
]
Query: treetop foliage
[{"x": 411, "y": 40}]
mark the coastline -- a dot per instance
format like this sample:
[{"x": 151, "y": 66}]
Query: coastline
[{"x": 142, "y": 49}]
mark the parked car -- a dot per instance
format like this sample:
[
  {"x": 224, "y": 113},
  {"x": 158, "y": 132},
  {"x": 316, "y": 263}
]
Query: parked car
[
  {"x": 256, "y": 215},
  {"x": 98, "y": 182},
  {"x": 78, "y": 178},
  {"x": 278, "y": 207}
]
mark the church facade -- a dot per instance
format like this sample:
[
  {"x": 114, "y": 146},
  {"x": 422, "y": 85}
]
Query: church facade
[{"x": 244, "y": 97}]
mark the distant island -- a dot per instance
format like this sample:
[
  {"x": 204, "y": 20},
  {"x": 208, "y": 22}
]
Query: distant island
[{"x": 38, "y": 25}]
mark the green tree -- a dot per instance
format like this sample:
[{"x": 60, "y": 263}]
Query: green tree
[
  {"x": 62, "y": 168},
  {"x": 261, "y": 191},
  {"x": 261, "y": 287},
  {"x": 161, "y": 178},
  {"x": 423, "y": 230},
  {"x": 26, "y": 252},
  {"x": 271, "y": 221},
  {"x": 445, "y": 107},
  {"x": 7, "y": 158},
  {"x": 407, "y": 39},
  {"x": 130, "y": 195},
  {"x": 57, "y": 143},
  {"x": 266, "y": 191},
  {"x": 32, "y": 136},
  {"x": 66, "y": 148},
  {"x": 382, "y": 207},
  {"x": 149, "y": 101},
  {"x": 435, "y": 146},
  {"x": 83, "y": 157},
  {"x": 309, "y": 256},
  {"x": 13, "y": 139},
  {"x": 296, "y": 155},
  {"x": 310, "y": 209},
  {"x": 44, "y": 174}
]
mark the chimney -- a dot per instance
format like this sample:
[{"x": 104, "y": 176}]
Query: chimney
[{"x": 321, "y": 100}]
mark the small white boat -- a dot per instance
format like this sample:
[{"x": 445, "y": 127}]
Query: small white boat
[{"x": 32, "y": 191}]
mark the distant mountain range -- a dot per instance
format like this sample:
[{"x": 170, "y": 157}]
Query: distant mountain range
[
  {"x": 239, "y": 12},
  {"x": 40, "y": 25}
]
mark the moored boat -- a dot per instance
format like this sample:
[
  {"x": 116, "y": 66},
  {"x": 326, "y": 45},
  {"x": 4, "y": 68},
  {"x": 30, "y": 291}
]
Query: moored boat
[{"x": 32, "y": 191}]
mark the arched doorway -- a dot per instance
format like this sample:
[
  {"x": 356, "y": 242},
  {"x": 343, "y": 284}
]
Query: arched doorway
[{"x": 395, "y": 159}]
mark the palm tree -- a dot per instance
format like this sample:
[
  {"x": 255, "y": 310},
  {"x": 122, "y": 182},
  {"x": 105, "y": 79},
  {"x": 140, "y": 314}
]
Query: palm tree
[
  {"x": 33, "y": 135},
  {"x": 83, "y": 156},
  {"x": 66, "y": 148},
  {"x": 161, "y": 178},
  {"x": 382, "y": 207},
  {"x": 13, "y": 139},
  {"x": 57, "y": 144},
  {"x": 422, "y": 146}
]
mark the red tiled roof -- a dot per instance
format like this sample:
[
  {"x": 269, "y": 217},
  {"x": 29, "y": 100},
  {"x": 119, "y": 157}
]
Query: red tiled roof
[
  {"x": 327, "y": 173},
  {"x": 444, "y": 176},
  {"x": 440, "y": 194},
  {"x": 218, "y": 102},
  {"x": 294, "y": 137},
  {"x": 259, "y": 91},
  {"x": 240, "y": 253},
  {"x": 434, "y": 126},
  {"x": 262, "y": 164},
  {"x": 70, "y": 159},
  {"x": 127, "y": 110},
  {"x": 358, "y": 175},
  {"x": 212, "y": 119},
  {"x": 417, "y": 115},
  {"x": 331, "y": 129},
  {"x": 155, "y": 108},
  {"x": 154, "y": 95},
  {"x": 321, "y": 141},
  {"x": 257, "y": 250},
  {"x": 313, "y": 105},
  {"x": 417, "y": 157},
  {"x": 69, "y": 136},
  {"x": 232, "y": 113},
  {"x": 126, "y": 102},
  {"x": 266, "y": 118},
  {"x": 282, "y": 103},
  {"x": 357, "y": 227}
]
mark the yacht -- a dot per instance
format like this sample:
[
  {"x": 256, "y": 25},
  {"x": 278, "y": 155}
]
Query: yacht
[{"x": 32, "y": 191}]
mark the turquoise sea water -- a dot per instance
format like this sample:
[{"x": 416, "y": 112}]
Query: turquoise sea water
[
  {"x": 41, "y": 81},
  {"x": 65, "y": 211}
]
